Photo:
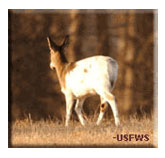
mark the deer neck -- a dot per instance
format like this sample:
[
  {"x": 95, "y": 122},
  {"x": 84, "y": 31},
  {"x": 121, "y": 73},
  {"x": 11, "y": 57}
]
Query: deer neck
[{"x": 61, "y": 64}]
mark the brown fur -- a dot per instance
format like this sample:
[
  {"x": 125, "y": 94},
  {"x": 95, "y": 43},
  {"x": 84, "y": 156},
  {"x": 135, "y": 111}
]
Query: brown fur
[
  {"x": 109, "y": 97},
  {"x": 62, "y": 67},
  {"x": 85, "y": 70},
  {"x": 103, "y": 107}
]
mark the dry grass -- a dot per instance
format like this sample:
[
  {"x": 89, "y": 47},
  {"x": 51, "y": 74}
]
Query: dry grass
[{"x": 49, "y": 133}]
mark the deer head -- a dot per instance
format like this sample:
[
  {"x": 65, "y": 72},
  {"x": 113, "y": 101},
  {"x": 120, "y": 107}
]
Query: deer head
[{"x": 57, "y": 52}]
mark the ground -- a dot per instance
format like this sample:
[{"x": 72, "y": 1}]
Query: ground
[{"x": 51, "y": 133}]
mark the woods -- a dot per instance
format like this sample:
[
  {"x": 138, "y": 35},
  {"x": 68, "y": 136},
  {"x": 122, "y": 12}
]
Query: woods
[{"x": 128, "y": 36}]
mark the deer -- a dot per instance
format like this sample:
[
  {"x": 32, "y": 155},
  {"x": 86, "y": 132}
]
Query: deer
[{"x": 78, "y": 80}]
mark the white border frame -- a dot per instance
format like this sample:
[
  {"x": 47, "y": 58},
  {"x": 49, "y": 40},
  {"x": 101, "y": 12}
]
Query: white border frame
[{"x": 84, "y": 152}]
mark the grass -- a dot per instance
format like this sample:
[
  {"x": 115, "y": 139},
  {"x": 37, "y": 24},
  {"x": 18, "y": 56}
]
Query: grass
[{"x": 49, "y": 133}]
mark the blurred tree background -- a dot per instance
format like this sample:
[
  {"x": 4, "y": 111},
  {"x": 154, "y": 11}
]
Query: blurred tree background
[{"x": 125, "y": 35}]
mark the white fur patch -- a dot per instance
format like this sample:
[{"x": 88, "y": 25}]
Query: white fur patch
[{"x": 89, "y": 76}]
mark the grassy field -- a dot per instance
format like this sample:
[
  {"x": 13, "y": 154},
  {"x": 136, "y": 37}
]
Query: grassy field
[{"x": 49, "y": 133}]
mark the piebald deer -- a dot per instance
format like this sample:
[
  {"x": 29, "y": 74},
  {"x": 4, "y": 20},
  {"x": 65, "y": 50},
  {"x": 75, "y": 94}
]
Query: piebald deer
[{"x": 78, "y": 80}]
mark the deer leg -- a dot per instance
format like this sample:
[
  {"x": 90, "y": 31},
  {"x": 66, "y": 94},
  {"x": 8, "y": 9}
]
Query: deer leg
[
  {"x": 78, "y": 109},
  {"x": 103, "y": 107},
  {"x": 111, "y": 100},
  {"x": 69, "y": 105}
]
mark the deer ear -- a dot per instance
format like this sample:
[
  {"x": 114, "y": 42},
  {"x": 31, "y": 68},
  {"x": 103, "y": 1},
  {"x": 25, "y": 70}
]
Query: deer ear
[
  {"x": 66, "y": 42},
  {"x": 51, "y": 44}
]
